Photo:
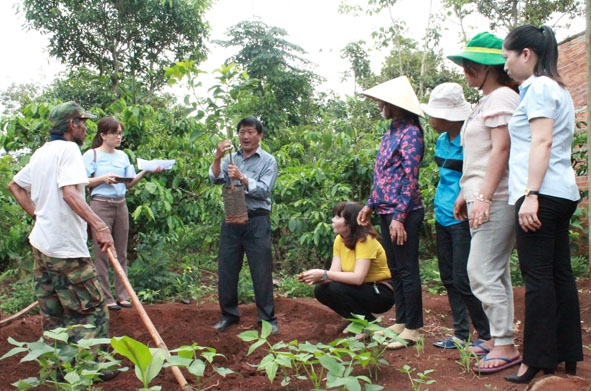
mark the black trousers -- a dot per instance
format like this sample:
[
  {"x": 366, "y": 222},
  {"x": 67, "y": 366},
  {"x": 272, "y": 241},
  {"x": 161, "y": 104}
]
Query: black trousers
[
  {"x": 254, "y": 240},
  {"x": 453, "y": 249},
  {"x": 552, "y": 330},
  {"x": 403, "y": 262},
  {"x": 365, "y": 299}
]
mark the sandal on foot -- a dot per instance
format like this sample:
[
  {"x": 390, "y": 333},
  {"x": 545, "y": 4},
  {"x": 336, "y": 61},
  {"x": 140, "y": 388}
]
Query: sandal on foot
[
  {"x": 479, "y": 344},
  {"x": 407, "y": 338},
  {"x": 396, "y": 345},
  {"x": 124, "y": 304},
  {"x": 449, "y": 343},
  {"x": 397, "y": 328},
  {"x": 508, "y": 364}
]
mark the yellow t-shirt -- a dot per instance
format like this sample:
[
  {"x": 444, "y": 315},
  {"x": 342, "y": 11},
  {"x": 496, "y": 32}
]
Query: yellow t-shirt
[{"x": 369, "y": 249}]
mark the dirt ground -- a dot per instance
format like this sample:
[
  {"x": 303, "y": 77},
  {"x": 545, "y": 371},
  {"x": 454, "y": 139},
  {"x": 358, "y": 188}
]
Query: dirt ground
[{"x": 304, "y": 320}]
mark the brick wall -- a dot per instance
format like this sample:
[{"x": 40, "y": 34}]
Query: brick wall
[{"x": 572, "y": 65}]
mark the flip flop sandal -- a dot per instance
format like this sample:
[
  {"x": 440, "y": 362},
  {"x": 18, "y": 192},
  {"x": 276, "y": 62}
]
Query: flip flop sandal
[
  {"x": 508, "y": 364},
  {"x": 479, "y": 343},
  {"x": 399, "y": 345}
]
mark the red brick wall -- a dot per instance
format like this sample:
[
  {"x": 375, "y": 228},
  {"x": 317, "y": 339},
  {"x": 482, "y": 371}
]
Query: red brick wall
[{"x": 572, "y": 65}]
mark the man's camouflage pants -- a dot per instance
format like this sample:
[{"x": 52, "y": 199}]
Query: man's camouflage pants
[{"x": 69, "y": 294}]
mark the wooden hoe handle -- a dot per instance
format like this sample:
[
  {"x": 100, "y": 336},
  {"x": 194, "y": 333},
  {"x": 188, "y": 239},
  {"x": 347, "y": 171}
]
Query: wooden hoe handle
[{"x": 144, "y": 316}]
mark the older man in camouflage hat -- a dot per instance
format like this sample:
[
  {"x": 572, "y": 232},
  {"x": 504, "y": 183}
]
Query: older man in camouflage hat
[{"x": 51, "y": 189}]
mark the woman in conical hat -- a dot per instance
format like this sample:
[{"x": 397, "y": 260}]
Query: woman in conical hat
[
  {"x": 396, "y": 198},
  {"x": 484, "y": 196}
]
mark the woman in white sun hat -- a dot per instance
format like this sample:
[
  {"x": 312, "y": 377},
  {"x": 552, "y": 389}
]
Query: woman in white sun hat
[
  {"x": 448, "y": 110},
  {"x": 396, "y": 198}
]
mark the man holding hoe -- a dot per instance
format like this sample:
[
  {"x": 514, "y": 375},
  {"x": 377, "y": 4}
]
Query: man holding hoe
[{"x": 50, "y": 188}]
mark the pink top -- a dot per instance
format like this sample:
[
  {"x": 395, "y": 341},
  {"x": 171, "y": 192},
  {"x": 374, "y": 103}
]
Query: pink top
[{"x": 494, "y": 110}]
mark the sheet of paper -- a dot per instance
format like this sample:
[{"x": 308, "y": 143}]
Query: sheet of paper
[{"x": 151, "y": 165}]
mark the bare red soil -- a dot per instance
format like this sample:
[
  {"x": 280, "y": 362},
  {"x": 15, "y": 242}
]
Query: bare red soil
[{"x": 304, "y": 320}]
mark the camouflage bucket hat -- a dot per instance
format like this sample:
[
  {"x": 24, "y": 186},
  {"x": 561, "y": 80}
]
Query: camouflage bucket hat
[{"x": 67, "y": 111}]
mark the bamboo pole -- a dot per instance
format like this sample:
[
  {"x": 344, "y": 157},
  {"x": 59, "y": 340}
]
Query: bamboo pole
[{"x": 6, "y": 321}]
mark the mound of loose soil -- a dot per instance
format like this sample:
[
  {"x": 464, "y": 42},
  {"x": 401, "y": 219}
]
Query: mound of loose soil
[{"x": 304, "y": 320}]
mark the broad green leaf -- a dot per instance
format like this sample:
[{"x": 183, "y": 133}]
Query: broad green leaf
[
  {"x": 255, "y": 346},
  {"x": 332, "y": 365},
  {"x": 197, "y": 368},
  {"x": 12, "y": 352},
  {"x": 249, "y": 335},
  {"x": 223, "y": 371},
  {"x": 271, "y": 370}
]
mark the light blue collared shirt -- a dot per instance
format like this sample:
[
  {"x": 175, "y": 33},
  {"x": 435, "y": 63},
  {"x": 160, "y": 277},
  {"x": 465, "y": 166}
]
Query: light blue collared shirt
[
  {"x": 261, "y": 170},
  {"x": 542, "y": 97},
  {"x": 108, "y": 163}
]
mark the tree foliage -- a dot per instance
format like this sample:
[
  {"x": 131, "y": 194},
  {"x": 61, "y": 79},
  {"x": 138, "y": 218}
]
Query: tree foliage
[
  {"x": 130, "y": 40},
  {"x": 325, "y": 146},
  {"x": 357, "y": 56},
  {"x": 284, "y": 85},
  {"x": 16, "y": 96},
  {"x": 509, "y": 14}
]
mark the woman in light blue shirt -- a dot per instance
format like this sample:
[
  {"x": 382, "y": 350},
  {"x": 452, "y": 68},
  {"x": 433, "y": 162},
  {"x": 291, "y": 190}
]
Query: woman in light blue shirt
[
  {"x": 542, "y": 186},
  {"x": 110, "y": 175}
]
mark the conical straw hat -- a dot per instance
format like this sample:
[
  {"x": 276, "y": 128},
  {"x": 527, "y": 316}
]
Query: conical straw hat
[{"x": 398, "y": 92}]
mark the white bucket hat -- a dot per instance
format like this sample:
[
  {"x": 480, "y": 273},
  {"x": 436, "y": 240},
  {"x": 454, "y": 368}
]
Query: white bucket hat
[
  {"x": 398, "y": 92},
  {"x": 447, "y": 102}
]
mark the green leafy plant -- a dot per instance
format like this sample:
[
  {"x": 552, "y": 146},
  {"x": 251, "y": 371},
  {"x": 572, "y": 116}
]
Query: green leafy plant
[
  {"x": 68, "y": 366},
  {"x": 187, "y": 357},
  {"x": 420, "y": 346},
  {"x": 467, "y": 357},
  {"x": 19, "y": 295},
  {"x": 430, "y": 276},
  {"x": 245, "y": 286},
  {"x": 418, "y": 382},
  {"x": 148, "y": 361},
  {"x": 291, "y": 287},
  {"x": 377, "y": 343},
  {"x": 335, "y": 362}
]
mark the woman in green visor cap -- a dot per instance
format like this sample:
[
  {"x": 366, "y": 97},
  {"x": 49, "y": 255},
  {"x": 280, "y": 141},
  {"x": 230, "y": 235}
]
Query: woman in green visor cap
[{"x": 484, "y": 196}]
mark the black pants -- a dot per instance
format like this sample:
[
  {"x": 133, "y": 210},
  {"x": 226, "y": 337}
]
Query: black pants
[
  {"x": 403, "y": 262},
  {"x": 364, "y": 299},
  {"x": 552, "y": 330},
  {"x": 254, "y": 240},
  {"x": 453, "y": 249}
]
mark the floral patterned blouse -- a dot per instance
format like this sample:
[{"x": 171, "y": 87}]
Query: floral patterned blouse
[{"x": 395, "y": 187}]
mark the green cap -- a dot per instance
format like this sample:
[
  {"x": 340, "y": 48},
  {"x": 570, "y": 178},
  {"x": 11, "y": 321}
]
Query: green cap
[
  {"x": 485, "y": 48},
  {"x": 67, "y": 111}
]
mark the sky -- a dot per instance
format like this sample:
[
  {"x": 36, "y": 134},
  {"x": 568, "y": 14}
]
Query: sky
[{"x": 314, "y": 25}]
